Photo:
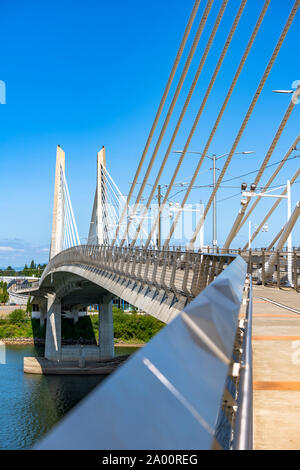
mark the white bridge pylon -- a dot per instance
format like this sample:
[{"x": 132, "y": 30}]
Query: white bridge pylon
[
  {"x": 64, "y": 228},
  {"x": 108, "y": 204}
]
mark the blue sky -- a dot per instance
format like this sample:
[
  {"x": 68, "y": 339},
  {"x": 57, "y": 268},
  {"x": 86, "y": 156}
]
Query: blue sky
[{"x": 87, "y": 74}]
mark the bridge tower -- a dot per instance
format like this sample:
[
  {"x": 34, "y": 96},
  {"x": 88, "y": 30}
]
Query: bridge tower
[
  {"x": 98, "y": 233},
  {"x": 57, "y": 239}
]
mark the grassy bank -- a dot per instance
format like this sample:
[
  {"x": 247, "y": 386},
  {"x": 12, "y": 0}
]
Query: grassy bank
[{"x": 127, "y": 328}]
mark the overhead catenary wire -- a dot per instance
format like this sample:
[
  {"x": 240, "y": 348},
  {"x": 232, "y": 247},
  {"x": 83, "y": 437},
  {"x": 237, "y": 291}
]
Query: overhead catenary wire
[
  {"x": 255, "y": 171},
  {"x": 172, "y": 106},
  {"x": 217, "y": 122},
  {"x": 159, "y": 111},
  {"x": 248, "y": 114}
]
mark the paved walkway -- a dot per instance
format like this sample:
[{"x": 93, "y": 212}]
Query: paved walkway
[{"x": 276, "y": 369}]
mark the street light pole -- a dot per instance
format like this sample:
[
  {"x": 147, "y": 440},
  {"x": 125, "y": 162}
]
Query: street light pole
[
  {"x": 249, "y": 243},
  {"x": 214, "y": 242},
  {"x": 289, "y": 240},
  {"x": 252, "y": 193},
  {"x": 159, "y": 220}
]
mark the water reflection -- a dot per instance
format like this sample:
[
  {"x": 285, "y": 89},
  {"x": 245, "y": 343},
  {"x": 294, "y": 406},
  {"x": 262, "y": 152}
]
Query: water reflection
[{"x": 31, "y": 404}]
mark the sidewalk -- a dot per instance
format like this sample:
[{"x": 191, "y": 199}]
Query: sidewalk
[{"x": 276, "y": 369}]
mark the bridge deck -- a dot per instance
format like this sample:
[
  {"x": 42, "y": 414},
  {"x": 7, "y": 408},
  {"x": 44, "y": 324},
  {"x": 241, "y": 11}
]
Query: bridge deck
[{"x": 276, "y": 369}]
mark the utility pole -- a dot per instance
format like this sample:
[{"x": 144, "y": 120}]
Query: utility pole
[
  {"x": 159, "y": 220},
  {"x": 249, "y": 242}
]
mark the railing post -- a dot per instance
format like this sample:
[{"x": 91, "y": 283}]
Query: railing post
[
  {"x": 133, "y": 263},
  {"x": 278, "y": 269},
  {"x": 263, "y": 277},
  {"x": 250, "y": 262},
  {"x": 186, "y": 272},
  {"x": 295, "y": 272},
  {"x": 212, "y": 270},
  {"x": 155, "y": 266},
  {"x": 196, "y": 273},
  {"x": 202, "y": 281},
  {"x": 123, "y": 251},
  {"x": 165, "y": 258},
  {"x": 173, "y": 274},
  {"x": 148, "y": 262},
  {"x": 140, "y": 261}
]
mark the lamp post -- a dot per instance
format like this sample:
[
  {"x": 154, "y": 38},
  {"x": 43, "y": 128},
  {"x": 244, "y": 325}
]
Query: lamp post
[
  {"x": 214, "y": 159},
  {"x": 252, "y": 193}
]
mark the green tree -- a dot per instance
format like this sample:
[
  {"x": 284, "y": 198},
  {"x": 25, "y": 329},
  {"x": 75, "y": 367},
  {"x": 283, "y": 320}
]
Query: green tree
[
  {"x": 29, "y": 307},
  {"x": 17, "y": 315}
]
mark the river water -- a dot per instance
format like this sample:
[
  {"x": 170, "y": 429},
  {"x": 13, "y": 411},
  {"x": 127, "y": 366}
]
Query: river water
[{"x": 30, "y": 405}]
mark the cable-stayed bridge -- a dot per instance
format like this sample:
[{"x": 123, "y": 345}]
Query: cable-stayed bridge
[{"x": 199, "y": 295}]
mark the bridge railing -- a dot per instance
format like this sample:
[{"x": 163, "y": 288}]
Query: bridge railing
[
  {"x": 27, "y": 287},
  {"x": 182, "y": 272},
  {"x": 181, "y": 390},
  {"x": 285, "y": 260}
]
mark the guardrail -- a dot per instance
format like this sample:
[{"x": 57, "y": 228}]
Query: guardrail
[
  {"x": 257, "y": 261},
  {"x": 258, "y": 258},
  {"x": 244, "y": 419},
  {"x": 181, "y": 272},
  {"x": 176, "y": 391},
  {"x": 27, "y": 287}
]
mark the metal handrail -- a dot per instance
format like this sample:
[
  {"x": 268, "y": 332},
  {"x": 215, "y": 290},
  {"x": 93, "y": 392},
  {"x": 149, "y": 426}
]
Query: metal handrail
[
  {"x": 174, "y": 384},
  {"x": 105, "y": 257},
  {"x": 31, "y": 285},
  {"x": 243, "y": 434}
]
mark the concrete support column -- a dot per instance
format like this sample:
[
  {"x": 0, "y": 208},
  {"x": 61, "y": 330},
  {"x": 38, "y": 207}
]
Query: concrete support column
[
  {"x": 43, "y": 314},
  {"x": 106, "y": 329},
  {"x": 75, "y": 311},
  {"x": 53, "y": 330}
]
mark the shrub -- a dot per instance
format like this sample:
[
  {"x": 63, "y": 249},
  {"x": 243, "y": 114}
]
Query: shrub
[{"x": 17, "y": 315}]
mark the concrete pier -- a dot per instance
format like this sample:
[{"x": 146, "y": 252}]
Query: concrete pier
[
  {"x": 75, "y": 311},
  {"x": 43, "y": 314},
  {"x": 106, "y": 329},
  {"x": 53, "y": 330},
  {"x": 40, "y": 365},
  {"x": 276, "y": 369}
]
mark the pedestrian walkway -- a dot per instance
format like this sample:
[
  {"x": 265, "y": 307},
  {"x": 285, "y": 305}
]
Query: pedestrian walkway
[{"x": 276, "y": 369}]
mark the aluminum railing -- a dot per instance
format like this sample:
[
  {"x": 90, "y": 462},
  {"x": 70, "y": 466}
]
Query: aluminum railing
[
  {"x": 244, "y": 420},
  {"x": 172, "y": 393},
  {"x": 181, "y": 272},
  {"x": 27, "y": 287}
]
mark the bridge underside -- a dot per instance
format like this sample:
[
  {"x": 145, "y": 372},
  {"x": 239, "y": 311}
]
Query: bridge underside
[{"x": 85, "y": 285}]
